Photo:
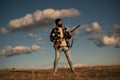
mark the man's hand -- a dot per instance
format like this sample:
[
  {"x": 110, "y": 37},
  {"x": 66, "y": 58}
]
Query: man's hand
[
  {"x": 70, "y": 33},
  {"x": 57, "y": 44}
]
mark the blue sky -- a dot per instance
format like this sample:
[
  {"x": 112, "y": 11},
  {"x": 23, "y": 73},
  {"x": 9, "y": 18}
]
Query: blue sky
[{"x": 104, "y": 12}]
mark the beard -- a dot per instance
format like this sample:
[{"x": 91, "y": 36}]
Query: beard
[{"x": 59, "y": 25}]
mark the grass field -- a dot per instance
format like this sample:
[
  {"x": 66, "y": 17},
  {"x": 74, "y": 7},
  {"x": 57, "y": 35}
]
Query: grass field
[{"x": 111, "y": 72}]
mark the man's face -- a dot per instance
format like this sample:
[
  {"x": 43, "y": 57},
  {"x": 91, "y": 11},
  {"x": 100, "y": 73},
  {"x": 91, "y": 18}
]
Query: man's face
[{"x": 59, "y": 24}]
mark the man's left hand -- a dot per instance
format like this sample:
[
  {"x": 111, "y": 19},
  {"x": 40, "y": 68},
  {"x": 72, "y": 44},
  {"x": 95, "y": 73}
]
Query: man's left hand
[{"x": 70, "y": 33}]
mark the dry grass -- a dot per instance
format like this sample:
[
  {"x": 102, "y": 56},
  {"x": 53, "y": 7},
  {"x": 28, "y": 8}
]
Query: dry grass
[{"x": 111, "y": 72}]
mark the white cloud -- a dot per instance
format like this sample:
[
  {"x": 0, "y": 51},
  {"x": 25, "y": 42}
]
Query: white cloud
[
  {"x": 37, "y": 37},
  {"x": 38, "y": 19},
  {"x": 40, "y": 39},
  {"x": 21, "y": 49},
  {"x": 109, "y": 40},
  {"x": 62, "y": 64},
  {"x": 21, "y": 67},
  {"x": 2, "y": 52},
  {"x": 21, "y": 22},
  {"x": 79, "y": 65},
  {"x": 10, "y": 51},
  {"x": 30, "y": 35},
  {"x": 53, "y": 14},
  {"x": 3, "y": 30},
  {"x": 95, "y": 33},
  {"x": 94, "y": 27},
  {"x": 35, "y": 47},
  {"x": 95, "y": 37}
]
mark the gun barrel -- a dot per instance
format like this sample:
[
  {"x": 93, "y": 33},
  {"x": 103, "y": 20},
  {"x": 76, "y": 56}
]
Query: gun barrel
[{"x": 75, "y": 28}]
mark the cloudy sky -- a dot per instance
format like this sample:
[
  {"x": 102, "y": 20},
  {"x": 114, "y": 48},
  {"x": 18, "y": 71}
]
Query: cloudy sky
[{"x": 25, "y": 26}]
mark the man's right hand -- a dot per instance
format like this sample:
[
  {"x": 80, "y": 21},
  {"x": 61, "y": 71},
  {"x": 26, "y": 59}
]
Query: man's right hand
[
  {"x": 70, "y": 33},
  {"x": 57, "y": 44}
]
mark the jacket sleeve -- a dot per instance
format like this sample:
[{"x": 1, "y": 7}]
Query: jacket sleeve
[
  {"x": 66, "y": 33},
  {"x": 54, "y": 35}
]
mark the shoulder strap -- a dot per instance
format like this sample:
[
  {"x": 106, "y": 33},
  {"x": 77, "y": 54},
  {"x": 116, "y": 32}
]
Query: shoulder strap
[{"x": 71, "y": 43}]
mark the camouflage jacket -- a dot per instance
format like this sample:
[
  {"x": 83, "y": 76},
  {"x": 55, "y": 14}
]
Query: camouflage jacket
[{"x": 55, "y": 35}]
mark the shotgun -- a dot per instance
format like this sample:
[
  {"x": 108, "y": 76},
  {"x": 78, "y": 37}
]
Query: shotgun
[{"x": 57, "y": 44}]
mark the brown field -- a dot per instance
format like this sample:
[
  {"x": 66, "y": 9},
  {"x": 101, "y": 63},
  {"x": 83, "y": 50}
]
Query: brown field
[{"x": 111, "y": 72}]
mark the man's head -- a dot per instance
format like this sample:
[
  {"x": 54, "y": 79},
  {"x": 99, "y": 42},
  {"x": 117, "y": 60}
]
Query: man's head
[{"x": 58, "y": 22}]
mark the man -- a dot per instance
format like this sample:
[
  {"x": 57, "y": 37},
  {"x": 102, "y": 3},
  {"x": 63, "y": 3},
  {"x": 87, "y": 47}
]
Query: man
[{"x": 60, "y": 36}]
